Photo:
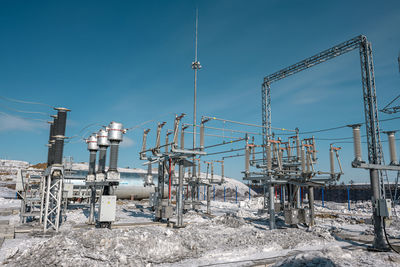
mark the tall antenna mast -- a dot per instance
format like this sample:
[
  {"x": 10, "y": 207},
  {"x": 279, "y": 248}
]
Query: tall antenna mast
[{"x": 195, "y": 66}]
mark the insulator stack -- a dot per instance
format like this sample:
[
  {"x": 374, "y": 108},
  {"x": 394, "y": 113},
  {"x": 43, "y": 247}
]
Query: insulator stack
[
  {"x": 280, "y": 157},
  {"x": 392, "y": 147},
  {"x": 103, "y": 143},
  {"x": 59, "y": 132},
  {"x": 50, "y": 145},
  {"x": 166, "y": 142},
  {"x": 202, "y": 136},
  {"x": 159, "y": 126},
  {"x": 144, "y": 141},
  {"x": 332, "y": 161},
  {"x": 303, "y": 159},
  {"x": 308, "y": 160},
  {"x": 357, "y": 142},
  {"x": 247, "y": 159},
  {"x": 183, "y": 137},
  {"x": 92, "y": 147},
  {"x": 314, "y": 150},
  {"x": 298, "y": 149},
  {"x": 269, "y": 158},
  {"x": 176, "y": 129},
  {"x": 115, "y": 132},
  {"x": 289, "y": 151}
]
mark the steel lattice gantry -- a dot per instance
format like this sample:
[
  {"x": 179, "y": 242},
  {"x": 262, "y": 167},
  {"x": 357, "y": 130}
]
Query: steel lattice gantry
[{"x": 375, "y": 155}]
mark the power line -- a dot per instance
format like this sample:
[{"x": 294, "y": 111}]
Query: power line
[
  {"x": 246, "y": 124},
  {"x": 25, "y": 118},
  {"x": 24, "y": 102},
  {"x": 24, "y": 111},
  {"x": 339, "y": 127}
]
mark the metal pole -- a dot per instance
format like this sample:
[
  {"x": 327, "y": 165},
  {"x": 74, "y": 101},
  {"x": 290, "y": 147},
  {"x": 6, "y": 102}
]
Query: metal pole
[
  {"x": 322, "y": 188},
  {"x": 379, "y": 242},
  {"x": 214, "y": 192},
  {"x": 236, "y": 194},
  {"x": 271, "y": 207},
  {"x": 311, "y": 203},
  {"x": 348, "y": 196},
  {"x": 179, "y": 200},
  {"x": 208, "y": 199},
  {"x": 224, "y": 193}
]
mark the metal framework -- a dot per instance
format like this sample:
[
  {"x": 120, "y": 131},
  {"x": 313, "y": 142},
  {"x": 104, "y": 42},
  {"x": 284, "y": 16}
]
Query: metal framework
[{"x": 375, "y": 155}]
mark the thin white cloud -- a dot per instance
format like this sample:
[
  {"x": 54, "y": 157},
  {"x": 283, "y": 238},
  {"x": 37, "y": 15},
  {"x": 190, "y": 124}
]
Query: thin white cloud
[
  {"x": 127, "y": 142},
  {"x": 13, "y": 123}
]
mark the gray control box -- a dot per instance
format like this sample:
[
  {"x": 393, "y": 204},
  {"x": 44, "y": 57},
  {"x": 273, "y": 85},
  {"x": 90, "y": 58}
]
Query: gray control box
[
  {"x": 384, "y": 207},
  {"x": 107, "y": 208},
  {"x": 291, "y": 216},
  {"x": 304, "y": 216}
]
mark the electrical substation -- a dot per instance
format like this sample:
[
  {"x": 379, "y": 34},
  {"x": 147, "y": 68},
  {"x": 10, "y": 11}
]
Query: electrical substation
[{"x": 177, "y": 204}]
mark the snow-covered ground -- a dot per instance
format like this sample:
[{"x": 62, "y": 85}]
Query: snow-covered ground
[{"x": 236, "y": 235}]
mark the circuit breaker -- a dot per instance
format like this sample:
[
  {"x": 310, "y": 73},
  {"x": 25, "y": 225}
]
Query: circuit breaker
[{"x": 107, "y": 208}]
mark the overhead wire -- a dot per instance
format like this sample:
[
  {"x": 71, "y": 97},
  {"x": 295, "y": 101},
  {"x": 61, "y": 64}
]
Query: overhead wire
[
  {"x": 24, "y": 111},
  {"x": 25, "y": 118},
  {"x": 25, "y": 102}
]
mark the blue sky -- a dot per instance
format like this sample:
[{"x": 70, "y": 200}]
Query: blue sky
[{"x": 129, "y": 61}]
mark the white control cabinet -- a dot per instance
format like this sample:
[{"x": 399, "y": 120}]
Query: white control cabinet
[{"x": 107, "y": 208}]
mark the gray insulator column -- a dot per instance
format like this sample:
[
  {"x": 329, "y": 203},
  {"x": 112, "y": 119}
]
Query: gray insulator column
[
  {"x": 357, "y": 142},
  {"x": 50, "y": 150},
  {"x": 303, "y": 160},
  {"x": 182, "y": 138},
  {"x": 314, "y": 149},
  {"x": 59, "y": 132},
  {"x": 102, "y": 159},
  {"x": 392, "y": 148},
  {"x": 114, "y": 147},
  {"x": 298, "y": 200},
  {"x": 247, "y": 160},
  {"x": 332, "y": 161},
  {"x": 92, "y": 162},
  {"x": 202, "y": 136}
]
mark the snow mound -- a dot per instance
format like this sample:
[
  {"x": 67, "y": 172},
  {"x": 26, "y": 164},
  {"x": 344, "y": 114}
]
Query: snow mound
[
  {"x": 230, "y": 220},
  {"x": 155, "y": 245}
]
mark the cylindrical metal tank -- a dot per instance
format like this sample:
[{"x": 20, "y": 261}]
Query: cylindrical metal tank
[
  {"x": 92, "y": 147},
  {"x": 102, "y": 138},
  {"x": 115, "y": 131},
  {"x": 92, "y": 142}
]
